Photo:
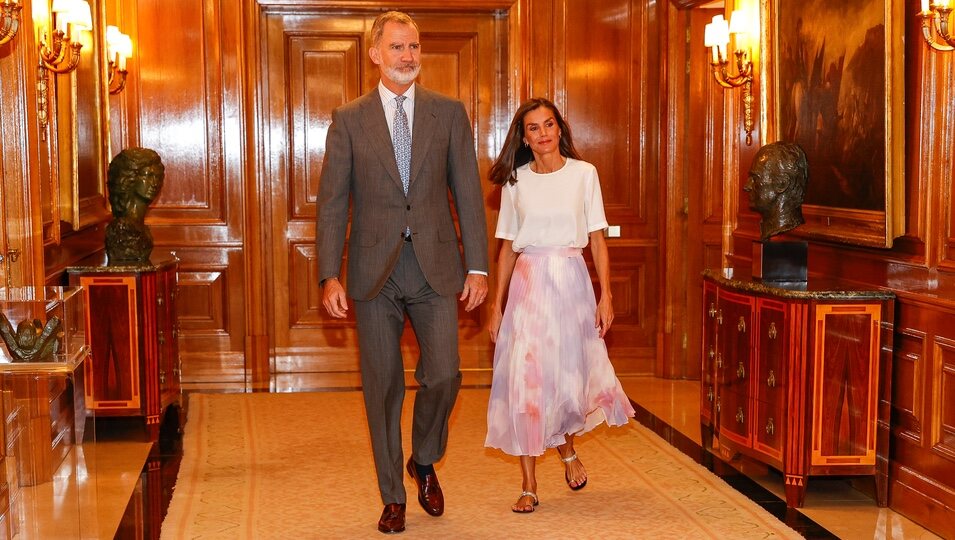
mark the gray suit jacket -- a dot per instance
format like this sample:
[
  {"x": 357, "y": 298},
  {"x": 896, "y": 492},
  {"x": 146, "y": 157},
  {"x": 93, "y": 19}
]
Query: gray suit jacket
[{"x": 360, "y": 163}]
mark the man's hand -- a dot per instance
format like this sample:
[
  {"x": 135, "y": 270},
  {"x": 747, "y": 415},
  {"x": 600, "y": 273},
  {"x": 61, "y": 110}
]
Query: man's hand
[
  {"x": 333, "y": 298},
  {"x": 475, "y": 291}
]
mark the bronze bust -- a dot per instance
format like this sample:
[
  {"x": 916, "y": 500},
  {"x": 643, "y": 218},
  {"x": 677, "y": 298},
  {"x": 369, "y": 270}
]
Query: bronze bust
[
  {"x": 134, "y": 179},
  {"x": 777, "y": 186}
]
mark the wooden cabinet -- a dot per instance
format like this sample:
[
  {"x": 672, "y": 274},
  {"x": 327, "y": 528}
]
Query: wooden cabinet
[
  {"x": 792, "y": 377},
  {"x": 133, "y": 369}
]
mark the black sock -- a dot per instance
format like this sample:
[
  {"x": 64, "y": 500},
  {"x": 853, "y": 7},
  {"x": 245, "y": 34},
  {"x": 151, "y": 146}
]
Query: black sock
[{"x": 422, "y": 470}]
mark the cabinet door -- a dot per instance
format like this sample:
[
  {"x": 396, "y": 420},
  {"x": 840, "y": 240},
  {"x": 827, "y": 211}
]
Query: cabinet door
[
  {"x": 845, "y": 369},
  {"x": 772, "y": 342},
  {"x": 733, "y": 365},
  {"x": 708, "y": 373},
  {"x": 769, "y": 381},
  {"x": 167, "y": 335},
  {"x": 734, "y": 355},
  {"x": 112, "y": 373}
]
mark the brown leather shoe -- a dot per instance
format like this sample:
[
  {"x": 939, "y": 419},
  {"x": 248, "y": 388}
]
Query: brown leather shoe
[
  {"x": 392, "y": 518},
  {"x": 429, "y": 491}
]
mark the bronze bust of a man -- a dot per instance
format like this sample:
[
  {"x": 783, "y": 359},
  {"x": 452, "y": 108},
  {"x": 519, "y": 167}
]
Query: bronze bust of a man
[
  {"x": 777, "y": 186},
  {"x": 134, "y": 179}
]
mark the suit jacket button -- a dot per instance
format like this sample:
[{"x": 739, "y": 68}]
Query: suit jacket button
[{"x": 409, "y": 207}]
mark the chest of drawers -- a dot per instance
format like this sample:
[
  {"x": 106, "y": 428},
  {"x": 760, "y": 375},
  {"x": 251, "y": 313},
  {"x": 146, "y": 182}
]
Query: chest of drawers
[{"x": 794, "y": 375}]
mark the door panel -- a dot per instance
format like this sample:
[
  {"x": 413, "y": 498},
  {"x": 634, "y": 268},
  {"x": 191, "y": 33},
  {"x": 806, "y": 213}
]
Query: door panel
[{"x": 314, "y": 63}]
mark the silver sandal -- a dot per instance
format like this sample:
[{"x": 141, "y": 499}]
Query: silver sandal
[
  {"x": 567, "y": 478},
  {"x": 530, "y": 494}
]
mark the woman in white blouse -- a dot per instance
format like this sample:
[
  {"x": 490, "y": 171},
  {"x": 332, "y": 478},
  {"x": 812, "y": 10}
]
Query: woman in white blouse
[{"x": 552, "y": 376}]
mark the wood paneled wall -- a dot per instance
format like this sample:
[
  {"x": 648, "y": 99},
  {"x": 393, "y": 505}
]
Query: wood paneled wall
[
  {"x": 627, "y": 74},
  {"x": 919, "y": 268},
  {"x": 190, "y": 95},
  {"x": 24, "y": 158},
  {"x": 606, "y": 81},
  {"x": 186, "y": 100}
]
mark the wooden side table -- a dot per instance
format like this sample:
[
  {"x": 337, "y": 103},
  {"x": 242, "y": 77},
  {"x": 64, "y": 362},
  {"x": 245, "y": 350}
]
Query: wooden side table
[{"x": 132, "y": 334}]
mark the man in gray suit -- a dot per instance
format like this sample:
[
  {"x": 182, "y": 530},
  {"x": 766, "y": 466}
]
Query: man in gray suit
[{"x": 396, "y": 152}]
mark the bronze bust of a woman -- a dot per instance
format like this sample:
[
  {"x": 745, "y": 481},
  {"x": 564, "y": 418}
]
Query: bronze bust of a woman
[{"x": 134, "y": 179}]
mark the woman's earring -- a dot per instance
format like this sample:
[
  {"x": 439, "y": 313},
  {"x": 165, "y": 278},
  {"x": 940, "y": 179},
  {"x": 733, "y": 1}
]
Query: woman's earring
[{"x": 525, "y": 144}]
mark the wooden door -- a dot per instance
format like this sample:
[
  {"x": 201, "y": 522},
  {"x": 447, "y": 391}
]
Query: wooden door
[
  {"x": 314, "y": 62},
  {"x": 702, "y": 246}
]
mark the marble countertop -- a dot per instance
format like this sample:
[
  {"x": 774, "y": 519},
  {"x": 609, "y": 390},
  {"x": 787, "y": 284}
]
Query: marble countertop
[{"x": 813, "y": 288}]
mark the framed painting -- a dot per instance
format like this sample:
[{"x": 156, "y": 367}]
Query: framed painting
[{"x": 834, "y": 85}]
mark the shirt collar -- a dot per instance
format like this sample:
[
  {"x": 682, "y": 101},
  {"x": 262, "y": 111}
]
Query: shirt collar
[{"x": 388, "y": 97}]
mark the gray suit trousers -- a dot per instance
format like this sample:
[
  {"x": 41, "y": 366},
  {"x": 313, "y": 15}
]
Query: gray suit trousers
[{"x": 380, "y": 321}]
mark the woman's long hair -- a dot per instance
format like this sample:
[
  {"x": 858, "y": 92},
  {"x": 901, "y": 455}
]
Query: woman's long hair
[{"x": 515, "y": 154}]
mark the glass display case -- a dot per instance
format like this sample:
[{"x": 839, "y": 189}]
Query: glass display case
[
  {"x": 42, "y": 324},
  {"x": 43, "y": 469}
]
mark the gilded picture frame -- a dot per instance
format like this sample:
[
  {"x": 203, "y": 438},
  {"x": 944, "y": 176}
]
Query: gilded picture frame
[
  {"x": 833, "y": 83},
  {"x": 82, "y": 132}
]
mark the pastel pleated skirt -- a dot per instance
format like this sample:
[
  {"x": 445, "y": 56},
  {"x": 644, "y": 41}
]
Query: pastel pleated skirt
[{"x": 552, "y": 375}]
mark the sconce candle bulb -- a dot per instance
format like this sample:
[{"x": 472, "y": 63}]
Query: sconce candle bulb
[{"x": 119, "y": 47}]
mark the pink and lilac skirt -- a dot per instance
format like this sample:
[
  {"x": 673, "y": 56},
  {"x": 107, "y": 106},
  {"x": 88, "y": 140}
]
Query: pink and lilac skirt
[{"x": 552, "y": 374}]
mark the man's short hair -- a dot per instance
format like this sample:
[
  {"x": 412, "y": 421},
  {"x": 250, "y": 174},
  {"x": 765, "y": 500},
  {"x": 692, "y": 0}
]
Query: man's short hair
[{"x": 378, "y": 28}]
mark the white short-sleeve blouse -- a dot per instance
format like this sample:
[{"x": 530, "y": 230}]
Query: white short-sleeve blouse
[{"x": 557, "y": 209}]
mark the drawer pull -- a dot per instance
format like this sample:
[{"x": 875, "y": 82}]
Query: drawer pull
[
  {"x": 712, "y": 353},
  {"x": 741, "y": 325},
  {"x": 159, "y": 300},
  {"x": 719, "y": 360},
  {"x": 741, "y": 371},
  {"x": 709, "y": 394},
  {"x": 772, "y": 330},
  {"x": 719, "y": 316},
  {"x": 712, "y": 311},
  {"x": 769, "y": 427},
  {"x": 739, "y": 415},
  {"x": 771, "y": 380},
  {"x": 162, "y": 377},
  {"x": 717, "y": 403}
]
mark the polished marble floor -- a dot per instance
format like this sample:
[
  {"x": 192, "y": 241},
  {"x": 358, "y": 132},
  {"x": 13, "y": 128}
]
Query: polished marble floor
[
  {"x": 119, "y": 486},
  {"x": 837, "y": 508}
]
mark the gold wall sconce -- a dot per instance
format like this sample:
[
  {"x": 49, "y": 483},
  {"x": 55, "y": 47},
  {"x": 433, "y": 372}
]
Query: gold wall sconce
[
  {"x": 744, "y": 27},
  {"x": 935, "y": 18},
  {"x": 119, "y": 47},
  {"x": 59, "y": 46},
  {"x": 9, "y": 19}
]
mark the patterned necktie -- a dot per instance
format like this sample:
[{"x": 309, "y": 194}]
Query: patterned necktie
[{"x": 402, "y": 143}]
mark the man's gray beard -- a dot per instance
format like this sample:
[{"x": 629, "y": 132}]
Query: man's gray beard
[{"x": 403, "y": 77}]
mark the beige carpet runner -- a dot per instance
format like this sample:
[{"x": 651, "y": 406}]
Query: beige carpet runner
[{"x": 299, "y": 466}]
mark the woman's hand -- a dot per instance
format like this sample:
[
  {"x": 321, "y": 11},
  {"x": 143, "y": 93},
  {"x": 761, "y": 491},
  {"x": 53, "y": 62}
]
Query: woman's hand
[
  {"x": 604, "y": 315},
  {"x": 494, "y": 325}
]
